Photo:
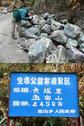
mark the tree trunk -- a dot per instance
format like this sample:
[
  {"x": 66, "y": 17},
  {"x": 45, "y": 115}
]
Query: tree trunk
[
  {"x": 0, "y": 3},
  {"x": 82, "y": 120},
  {"x": 39, "y": 6},
  {"x": 68, "y": 122}
]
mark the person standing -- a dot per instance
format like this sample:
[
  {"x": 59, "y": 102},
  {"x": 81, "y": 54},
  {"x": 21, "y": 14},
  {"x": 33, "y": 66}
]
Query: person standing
[
  {"x": 16, "y": 20},
  {"x": 20, "y": 13}
]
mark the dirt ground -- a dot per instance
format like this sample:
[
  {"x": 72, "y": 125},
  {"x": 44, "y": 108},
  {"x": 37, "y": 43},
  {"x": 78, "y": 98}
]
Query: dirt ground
[{"x": 9, "y": 51}]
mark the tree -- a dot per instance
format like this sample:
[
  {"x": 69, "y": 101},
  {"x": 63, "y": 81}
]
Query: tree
[
  {"x": 73, "y": 5},
  {"x": 39, "y": 5},
  {"x": 0, "y": 2}
]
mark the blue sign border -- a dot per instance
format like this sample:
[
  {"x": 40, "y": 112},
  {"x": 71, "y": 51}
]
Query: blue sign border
[{"x": 40, "y": 74}]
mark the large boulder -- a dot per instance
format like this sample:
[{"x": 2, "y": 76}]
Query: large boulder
[
  {"x": 81, "y": 38},
  {"x": 25, "y": 24},
  {"x": 25, "y": 43},
  {"x": 75, "y": 55},
  {"x": 42, "y": 22},
  {"x": 46, "y": 29},
  {"x": 71, "y": 43},
  {"x": 72, "y": 31},
  {"x": 43, "y": 35},
  {"x": 59, "y": 56},
  {"x": 52, "y": 16},
  {"x": 45, "y": 16},
  {"x": 64, "y": 21},
  {"x": 52, "y": 49},
  {"x": 51, "y": 58},
  {"x": 55, "y": 25},
  {"x": 35, "y": 19},
  {"x": 28, "y": 35},
  {"x": 82, "y": 47},
  {"x": 32, "y": 32},
  {"x": 59, "y": 36},
  {"x": 38, "y": 51}
]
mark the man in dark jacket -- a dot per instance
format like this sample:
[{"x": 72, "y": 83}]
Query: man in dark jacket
[{"x": 20, "y": 13}]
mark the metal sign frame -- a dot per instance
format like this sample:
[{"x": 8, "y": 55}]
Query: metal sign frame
[{"x": 78, "y": 119}]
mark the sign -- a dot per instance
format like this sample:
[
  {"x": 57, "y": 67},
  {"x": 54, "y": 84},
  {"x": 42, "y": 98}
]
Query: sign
[{"x": 44, "y": 95}]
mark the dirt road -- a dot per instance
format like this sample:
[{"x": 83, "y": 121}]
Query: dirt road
[{"x": 9, "y": 51}]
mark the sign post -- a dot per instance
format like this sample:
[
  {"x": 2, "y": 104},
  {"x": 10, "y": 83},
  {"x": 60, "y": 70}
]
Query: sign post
[
  {"x": 8, "y": 121},
  {"x": 78, "y": 121},
  {"x": 43, "y": 95}
]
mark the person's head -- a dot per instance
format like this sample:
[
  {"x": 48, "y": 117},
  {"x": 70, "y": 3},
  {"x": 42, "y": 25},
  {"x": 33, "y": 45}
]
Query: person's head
[{"x": 30, "y": 13}]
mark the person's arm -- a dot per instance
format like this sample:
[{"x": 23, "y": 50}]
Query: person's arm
[{"x": 27, "y": 18}]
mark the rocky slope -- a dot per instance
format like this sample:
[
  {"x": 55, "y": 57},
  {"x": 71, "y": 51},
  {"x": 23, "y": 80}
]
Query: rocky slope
[{"x": 50, "y": 41}]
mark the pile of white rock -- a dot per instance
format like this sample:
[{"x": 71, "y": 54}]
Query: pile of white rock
[
  {"x": 5, "y": 10},
  {"x": 50, "y": 41}
]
